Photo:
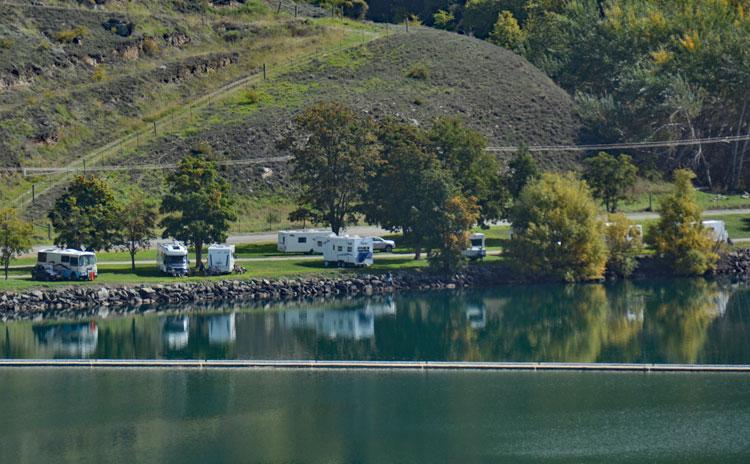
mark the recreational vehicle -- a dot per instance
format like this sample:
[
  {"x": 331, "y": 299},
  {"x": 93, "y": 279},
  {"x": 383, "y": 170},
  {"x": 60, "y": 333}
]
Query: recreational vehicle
[
  {"x": 303, "y": 241},
  {"x": 346, "y": 250},
  {"x": 64, "y": 264},
  {"x": 172, "y": 258},
  {"x": 476, "y": 249},
  {"x": 718, "y": 230},
  {"x": 220, "y": 259}
]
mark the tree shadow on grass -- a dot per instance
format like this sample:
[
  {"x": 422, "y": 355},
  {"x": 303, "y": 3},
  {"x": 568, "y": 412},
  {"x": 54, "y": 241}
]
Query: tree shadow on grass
[{"x": 745, "y": 224}]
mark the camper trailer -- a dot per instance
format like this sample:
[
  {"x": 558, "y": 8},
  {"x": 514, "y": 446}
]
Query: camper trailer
[
  {"x": 220, "y": 259},
  {"x": 476, "y": 249},
  {"x": 64, "y": 264},
  {"x": 348, "y": 251},
  {"x": 718, "y": 230},
  {"x": 172, "y": 258},
  {"x": 303, "y": 241}
]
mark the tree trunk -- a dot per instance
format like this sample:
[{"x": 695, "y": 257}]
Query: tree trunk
[
  {"x": 132, "y": 260},
  {"x": 5, "y": 265},
  {"x": 417, "y": 248},
  {"x": 198, "y": 253}
]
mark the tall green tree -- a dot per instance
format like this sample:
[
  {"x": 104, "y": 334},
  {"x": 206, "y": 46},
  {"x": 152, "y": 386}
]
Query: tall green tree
[
  {"x": 85, "y": 215},
  {"x": 522, "y": 169},
  {"x": 624, "y": 243},
  {"x": 15, "y": 237},
  {"x": 136, "y": 225},
  {"x": 476, "y": 172},
  {"x": 409, "y": 187},
  {"x": 334, "y": 154},
  {"x": 199, "y": 206},
  {"x": 556, "y": 233},
  {"x": 679, "y": 237},
  {"x": 610, "y": 178}
]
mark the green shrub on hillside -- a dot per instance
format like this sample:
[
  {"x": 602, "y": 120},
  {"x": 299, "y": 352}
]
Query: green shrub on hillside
[
  {"x": 6, "y": 43},
  {"x": 418, "y": 71},
  {"x": 150, "y": 47},
  {"x": 69, "y": 35}
]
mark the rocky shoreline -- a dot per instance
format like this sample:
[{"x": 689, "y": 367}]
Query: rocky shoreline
[{"x": 74, "y": 300}]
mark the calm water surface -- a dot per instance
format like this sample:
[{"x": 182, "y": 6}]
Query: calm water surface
[
  {"x": 669, "y": 321},
  {"x": 163, "y": 416}
]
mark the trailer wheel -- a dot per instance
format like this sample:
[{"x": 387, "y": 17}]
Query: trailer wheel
[
  {"x": 341, "y": 264},
  {"x": 389, "y": 249}
]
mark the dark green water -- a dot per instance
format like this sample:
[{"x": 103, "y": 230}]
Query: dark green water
[
  {"x": 162, "y": 416},
  {"x": 669, "y": 321}
]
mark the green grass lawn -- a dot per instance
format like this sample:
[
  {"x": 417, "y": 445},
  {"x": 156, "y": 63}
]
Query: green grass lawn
[
  {"x": 706, "y": 200},
  {"x": 147, "y": 274}
]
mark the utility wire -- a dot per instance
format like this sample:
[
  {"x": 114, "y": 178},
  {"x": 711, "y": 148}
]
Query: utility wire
[
  {"x": 626, "y": 146},
  {"x": 276, "y": 159}
]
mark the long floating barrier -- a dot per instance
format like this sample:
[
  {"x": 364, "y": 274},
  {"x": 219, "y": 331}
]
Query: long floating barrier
[{"x": 364, "y": 365}]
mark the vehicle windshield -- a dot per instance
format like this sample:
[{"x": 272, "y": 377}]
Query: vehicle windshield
[
  {"x": 87, "y": 260},
  {"x": 477, "y": 242},
  {"x": 175, "y": 259}
]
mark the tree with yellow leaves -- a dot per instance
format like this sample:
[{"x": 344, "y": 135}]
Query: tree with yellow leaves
[{"x": 679, "y": 237}]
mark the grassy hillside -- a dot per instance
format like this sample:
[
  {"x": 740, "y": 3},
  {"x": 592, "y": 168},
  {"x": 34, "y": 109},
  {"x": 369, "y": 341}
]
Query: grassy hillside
[{"x": 412, "y": 76}]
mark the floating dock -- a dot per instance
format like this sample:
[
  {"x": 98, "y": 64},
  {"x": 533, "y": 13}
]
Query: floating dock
[{"x": 366, "y": 365}]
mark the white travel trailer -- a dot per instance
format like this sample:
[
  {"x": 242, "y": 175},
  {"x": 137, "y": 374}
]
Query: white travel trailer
[
  {"x": 303, "y": 241},
  {"x": 718, "y": 230},
  {"x": 172, "y": 258},
  {"x": 476, "y": 249},
  {"x": 64, "y": 264},
  {"x": 220, "y": 259},
  {"x": 346, "y": 250}
]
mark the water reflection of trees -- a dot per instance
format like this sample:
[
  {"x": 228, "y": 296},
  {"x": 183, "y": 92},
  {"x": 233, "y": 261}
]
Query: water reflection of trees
[{"x": 666, "y": 321}]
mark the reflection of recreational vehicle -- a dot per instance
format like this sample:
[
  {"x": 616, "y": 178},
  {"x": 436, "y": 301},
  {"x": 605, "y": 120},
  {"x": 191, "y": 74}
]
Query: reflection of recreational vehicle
[
  {"x": 175, "y": 331},
  {"x": 717, "y": 230},
  {"x": 220, "y": 259},
  {"x": 172, "y": 258},
  {"x": 476, "y": 249},
  {"x": 77, "y": 339},
  {"x": 221, "y": 329},
  {"x": 303, "y": 241},
  {"x": 476, "y": 316},
  {"x": 386, "y": 307},
  {"x": 59, "y": 264},
  {"x": 332, "y": 323},
  {"x": 346, "y": 250}
]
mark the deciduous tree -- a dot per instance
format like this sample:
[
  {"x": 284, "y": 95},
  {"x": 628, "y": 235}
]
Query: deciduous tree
[
  {"x": 610, "y": 178},
  {"x": 15, "y": 237},
  {"x": 136, "y": 225},
  {"x": 556, "y": 233},
  {"x": 334, "y": 154},
  {"x": 85, "y": 215},
  {"x": 679, "y": 236},
  {"x": 199, "y": 206}
]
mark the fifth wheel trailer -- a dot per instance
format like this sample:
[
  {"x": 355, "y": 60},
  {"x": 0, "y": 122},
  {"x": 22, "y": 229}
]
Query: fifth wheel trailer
[{"x": 302, "y": 241}]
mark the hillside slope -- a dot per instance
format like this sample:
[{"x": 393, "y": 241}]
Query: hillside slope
[{"x": 493, "y": 90}]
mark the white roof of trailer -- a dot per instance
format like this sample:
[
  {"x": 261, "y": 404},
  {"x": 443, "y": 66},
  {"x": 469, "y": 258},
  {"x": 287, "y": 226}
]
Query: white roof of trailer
[
  {"x": 220, "y": 247},
  {"x": 67, "y": 251}
]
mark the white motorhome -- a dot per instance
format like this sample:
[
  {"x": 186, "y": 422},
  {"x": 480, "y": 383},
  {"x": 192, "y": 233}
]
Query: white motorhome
[
  {"x": 220, "y": 259},
  {"x": 64, "y": 264},
  {"x": 476, "y": 249},
  {"x": 303, "y": 241},
  {"x": 172, "y": 258},
  {"x": 718, "y": 230},
  {"x": 346, "y": 250}
]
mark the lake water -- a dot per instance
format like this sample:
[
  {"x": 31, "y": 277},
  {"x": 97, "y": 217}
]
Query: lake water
[
  {"x": 259, "y": 416},
  {"x": 666, "y": 321}
]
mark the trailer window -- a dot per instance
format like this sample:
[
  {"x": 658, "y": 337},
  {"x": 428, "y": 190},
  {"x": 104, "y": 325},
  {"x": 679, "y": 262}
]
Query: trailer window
[
  {"x": 41, "y": 257},
  {"x": 74, "y": 261},
  {"x": 477, "y": 242},
  {"x": 302, "y": 240},
  {"x": 349, "y": 249},
  {"x": 64, "y": 259},
  {"x": 341, "y": 248}
]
